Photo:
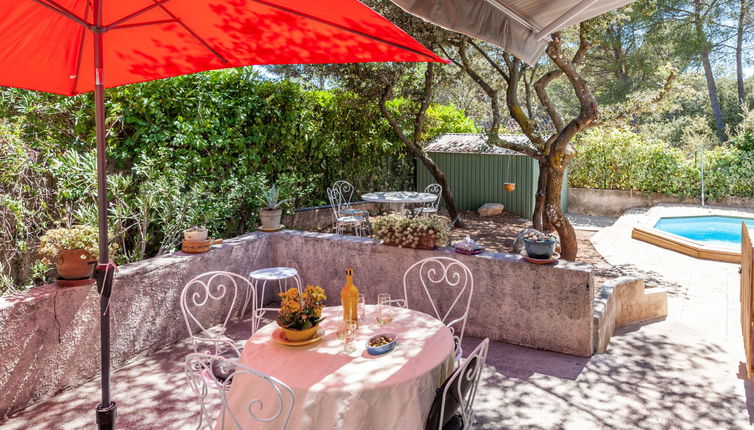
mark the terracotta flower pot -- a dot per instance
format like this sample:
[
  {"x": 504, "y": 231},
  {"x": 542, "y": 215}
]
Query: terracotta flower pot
[
  {"x": 509, "y": 186},
  {"x": 74, "y": 264},
  {"x": 300, "y": 335},
  {"x": 270, "y": 218}
]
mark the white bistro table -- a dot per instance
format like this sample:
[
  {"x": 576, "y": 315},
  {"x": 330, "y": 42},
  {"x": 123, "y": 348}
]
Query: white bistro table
[
  {"x": 338, "y": 390},
  {"x": 399, "y": 198}
]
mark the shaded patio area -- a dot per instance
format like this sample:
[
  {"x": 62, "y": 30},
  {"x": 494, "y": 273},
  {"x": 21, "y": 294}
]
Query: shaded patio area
[{"x": 660, "y": 375}]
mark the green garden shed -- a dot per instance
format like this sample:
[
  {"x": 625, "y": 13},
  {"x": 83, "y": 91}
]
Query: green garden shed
[{"x": 477, "y": 171}]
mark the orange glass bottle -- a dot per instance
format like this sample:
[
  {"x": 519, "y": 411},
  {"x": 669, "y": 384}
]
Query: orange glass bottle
[{"x": 349, "y": 297}]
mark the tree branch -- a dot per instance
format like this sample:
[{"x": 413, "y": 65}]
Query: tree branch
[
  {"x": 540, "y": 87},
  {"x": 386, "y": 94},
  {"x": 514, "y": 106},
  {"x": 492, "y": 62},
  {"x": 642, "y": 107},
  {"x": 588, "y": 112},
  {"x": 429, "y": 76},
  {"x": 486, "y": 87}
]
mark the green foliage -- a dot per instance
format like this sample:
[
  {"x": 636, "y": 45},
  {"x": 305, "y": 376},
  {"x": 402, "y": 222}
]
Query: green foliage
[
  {"x": 743, "y": 134},
  {"x": 192, "y": 150},
  {"x": 77, "y": 237},
  {"x": 271, "y": 199},
  {"x": 443, "y": 119},
  {"x": 622, "y": 160},
  {"x": 439, "y": 119},
  {"x": 26, "y": 206}
]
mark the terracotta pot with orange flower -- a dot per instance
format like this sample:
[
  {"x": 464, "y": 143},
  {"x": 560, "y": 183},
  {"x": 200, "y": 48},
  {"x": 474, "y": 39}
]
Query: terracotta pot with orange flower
[{"x": 300, "y": 314}]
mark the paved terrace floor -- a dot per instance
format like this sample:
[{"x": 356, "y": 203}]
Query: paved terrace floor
[{"x": 680, "y": 373}]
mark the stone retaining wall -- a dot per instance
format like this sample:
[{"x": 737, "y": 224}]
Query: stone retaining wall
[
  {"x": 540, "y": 306},
  {"x": 319, "y": 218},
  {"x": 614, "y": 202},
  {"x": 624, "y": 301},
  {"x": 49, "y": 336}
]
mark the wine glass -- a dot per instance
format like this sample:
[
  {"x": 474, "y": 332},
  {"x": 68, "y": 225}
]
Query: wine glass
[
  {"x": 349, "y": 335},
  {"x": 384, "y": 309},
  {"x": 341, "y": 328},
  {"x": 362, "y": 308}
]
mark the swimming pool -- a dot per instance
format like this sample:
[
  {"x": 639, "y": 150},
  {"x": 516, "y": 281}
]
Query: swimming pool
[{"x": 712, "y": 230}]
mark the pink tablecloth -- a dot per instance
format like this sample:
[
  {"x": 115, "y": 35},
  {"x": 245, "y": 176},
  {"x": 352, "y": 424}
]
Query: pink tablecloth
[{"x": 337, "y": 390}]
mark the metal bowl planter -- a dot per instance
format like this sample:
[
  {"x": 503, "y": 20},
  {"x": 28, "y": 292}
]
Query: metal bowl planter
[
  {"x": 540, "y": 250},
  {"x": 509, "y": 186}
]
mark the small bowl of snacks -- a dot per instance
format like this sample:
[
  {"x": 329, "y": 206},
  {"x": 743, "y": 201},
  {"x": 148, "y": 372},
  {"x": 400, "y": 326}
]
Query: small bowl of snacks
[{"x": 381, "y": 343}]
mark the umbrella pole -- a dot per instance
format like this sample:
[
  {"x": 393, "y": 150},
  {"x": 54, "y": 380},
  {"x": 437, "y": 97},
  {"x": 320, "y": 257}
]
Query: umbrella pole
[{"x": 105, "y": 412}]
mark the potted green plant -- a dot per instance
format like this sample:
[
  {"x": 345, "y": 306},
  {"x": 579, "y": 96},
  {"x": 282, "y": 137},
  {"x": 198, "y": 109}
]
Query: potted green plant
[
  {"x": 271, "y": 212},
  {"x": 411, "y": 232},
  {"x": 73, "y": 250}
]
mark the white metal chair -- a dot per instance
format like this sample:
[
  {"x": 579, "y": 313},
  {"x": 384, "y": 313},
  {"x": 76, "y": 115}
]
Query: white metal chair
[
  {"x": 449, "y": 277},
  {"x": 431, "y": 207},
  {"x": 199, "y": 371},
  {"x": 207, "y": 294},
  {"x": 453, "y": 405},
  {"x": 346, "y": 191},
  {"x": 343, "y": 220}
]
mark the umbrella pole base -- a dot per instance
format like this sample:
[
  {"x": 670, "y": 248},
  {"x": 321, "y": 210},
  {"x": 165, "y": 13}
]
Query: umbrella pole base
[{"x": 106, "y": 416}]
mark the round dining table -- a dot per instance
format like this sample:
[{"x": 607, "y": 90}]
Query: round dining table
[
  {"x": 334, "y": 389},
  {"x": 399, "y": 198}
]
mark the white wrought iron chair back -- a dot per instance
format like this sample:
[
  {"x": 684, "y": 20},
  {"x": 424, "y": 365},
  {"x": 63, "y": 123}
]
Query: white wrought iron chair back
[
  {"x": 214, "y": 291},
  {"x": 431, "y": 207},
  {"x": 346, "y": 190},
  {"x": 337, "y": 202},
  {"x": 435, "y": 189},
  {"x": 443, "y": 274},
  {"x": 343, "y": 215},
  {"x": 470, "y": 373},
  {"x": 199, "y": 376}
]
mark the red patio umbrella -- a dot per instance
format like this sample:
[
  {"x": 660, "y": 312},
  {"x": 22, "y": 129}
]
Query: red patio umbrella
[{"x": 71, "y": 47}]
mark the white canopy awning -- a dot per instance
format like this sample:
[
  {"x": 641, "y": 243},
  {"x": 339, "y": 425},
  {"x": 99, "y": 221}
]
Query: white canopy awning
[{"x": 520, "y": 27}]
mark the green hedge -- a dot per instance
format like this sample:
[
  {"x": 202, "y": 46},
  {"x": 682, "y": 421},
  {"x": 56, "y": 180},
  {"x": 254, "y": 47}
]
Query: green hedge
[
  {"x": 622, "y": 160},
  {"x": 195, "y": 149}
]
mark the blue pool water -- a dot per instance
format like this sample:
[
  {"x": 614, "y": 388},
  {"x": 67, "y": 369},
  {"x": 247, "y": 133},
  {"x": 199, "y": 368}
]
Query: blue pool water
[{"x": 717, "y": 231}]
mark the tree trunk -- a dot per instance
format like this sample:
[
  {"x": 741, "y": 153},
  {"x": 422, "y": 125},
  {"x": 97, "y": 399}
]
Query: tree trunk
[
  {"x": 447, "y": 194},
  {"x": 704, "y": 53},
  {"x": 539, "y": 197},
  {"x": 568, "y": 244},
  {"x": 742, "y": 16},
  {"x": 713, "y": 97},
  {"x": 414, "y": 146}
]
